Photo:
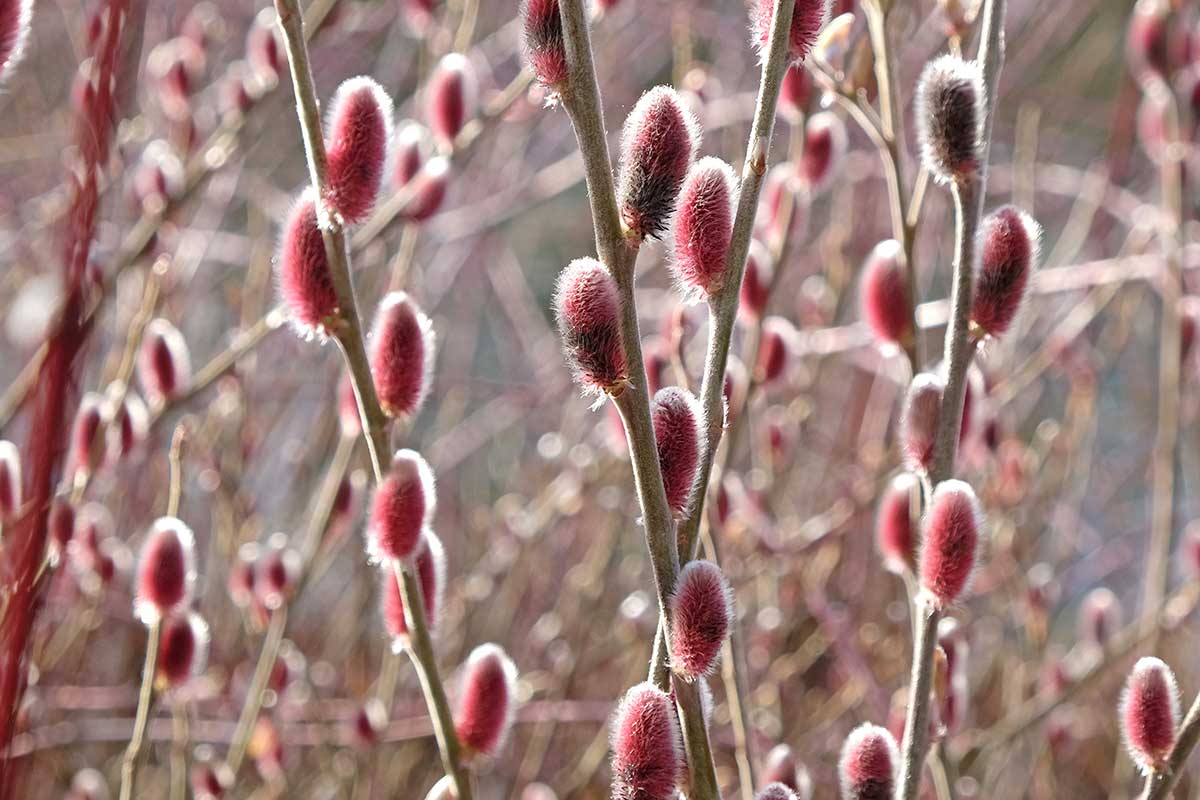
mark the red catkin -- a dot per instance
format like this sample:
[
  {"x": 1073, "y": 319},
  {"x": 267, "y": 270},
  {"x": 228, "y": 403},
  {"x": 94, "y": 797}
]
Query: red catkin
[
  {"x": 264, "y": 51},
  {"x": 1148, "y": 42},
  {"x": 780, "y": 192},
  {"x": 795, "y": 93},
  {"x": 950, "y": 102},
  {"x": 182, "y": 649},
  {"x": 403, "y": 505},
  {"x": 61, "y": 524},
  {"x": 894, "y": 534},
  {"x": 130, "y": 423},
  {"x": 807, "y": 19},
  {"x": 701, "y": 618},
  {"x": 243, "y": 574},
  {"x": 210, "y": 781},
  {"x": 401, "y": 355},
  {"x": 88, "y": 784},
  {"x": 756, "y": 282},
  {"x": 407, "y": 155},
  {"x": 544, "y": 48},
  {"x": 276, "y": 570},
  {"x": 431, "y": 576},
  {"x": 781, "y": 766},
  {"x": 824, "y": 149},
  {"x": 15, "y": 18},
  {"x": 166, "y": 573},
  {"x": 10, "y": 480},
  {"x": 647, "y": 752},
  {"x": 953, "y": 528},
  {"x": 703, "y": 226},
  {"x": 429, "y": 190},
  {"x": 1190, "y": 550},
  {"x": 357, "y": 137},
  {"x": 775, "y": 791},
  {"x": 369, "y": 720},
  {"x": 1009, "y": 242},
  {"x": 88, "y": 434},
  {"x": 1149, "y": 713},
  {"x": 773, "y": 349},
  {"x": 955, "y": 697},
  {"x": 587, "y": 310},
  {"x": 305, "y": 282},
  {"x": 450, "y": 98},
  {"x": 918, "y": 420},
  {"x": 658, "y": 144},
  {"x": 883, "y": 295},
  {"x": 1099, "y": 616},
  {"x": 488, "y": 701},
  {"x": 677, "y": 434},
  {"x": 419, "y": 14},
  {"x": 164, "y": 364},
  {"x": 867, "y": 766}
]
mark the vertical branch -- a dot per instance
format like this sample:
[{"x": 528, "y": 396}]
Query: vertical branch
[
  {"x": 618, "y": 253},
  {"x": 723, "y": 307},
  {"x": 349, "y": 336},
  {"x": 145, "y": 695},
  {"x": 179, "y": 748},
  {"x": 968, "y": 205},
  {"x": 254, "y": 693}
]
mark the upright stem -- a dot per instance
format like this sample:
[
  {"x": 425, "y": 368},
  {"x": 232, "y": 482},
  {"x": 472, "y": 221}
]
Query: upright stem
[
  {"x": 723, "y": 307},
  {"x": 420, "y": 650},
  {"x": 618, "y": 253},
  {"x": 1170, "y": 338},
  {"x": 129, "y": 763},
  {"x": 258, "y": 685},
  {"x": 959, "y": 347},
  {"x": 349, "y": 336},
  {"x": 968, "y": 205},
  {"x": 179, "y": 747},
  {"x": 916, "y": 724}
]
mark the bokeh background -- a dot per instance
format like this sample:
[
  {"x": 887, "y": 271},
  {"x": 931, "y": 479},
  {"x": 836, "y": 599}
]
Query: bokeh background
[{"x": 536, "y": 505}]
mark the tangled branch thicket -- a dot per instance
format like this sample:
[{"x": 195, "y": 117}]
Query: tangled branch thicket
[{"x": 774, "y": 400}]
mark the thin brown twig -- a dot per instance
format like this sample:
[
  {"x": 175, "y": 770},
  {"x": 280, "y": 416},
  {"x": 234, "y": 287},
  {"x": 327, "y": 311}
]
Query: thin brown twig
[
  {"x": 619, "y": 253},
  {"x": 968, "y": 202},
  {"x": 145, "y": 696},
  {"x": 349, "y": 336}
]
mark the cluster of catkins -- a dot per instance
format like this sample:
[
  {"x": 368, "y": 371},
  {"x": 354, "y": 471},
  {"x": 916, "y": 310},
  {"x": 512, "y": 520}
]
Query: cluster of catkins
[
  {"x": 108, "y": 427},
  {"x": 1163, "y": 56},
  {"x": 164, "y": 589},
  {"x": 177, "y": 70},
  {"x": 942, "y": 550},
  {"x": 365, "y": 154},
  {"x": 361, "y": 146}
]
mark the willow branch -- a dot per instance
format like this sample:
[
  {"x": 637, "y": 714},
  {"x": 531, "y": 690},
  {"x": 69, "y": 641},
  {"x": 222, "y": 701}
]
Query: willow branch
[
  {"x": 968, "y": 205},
  {"x": 618, "y": 253},
  {"x": 145, "y": 695},
  {"x": 349, "y": 336}
]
